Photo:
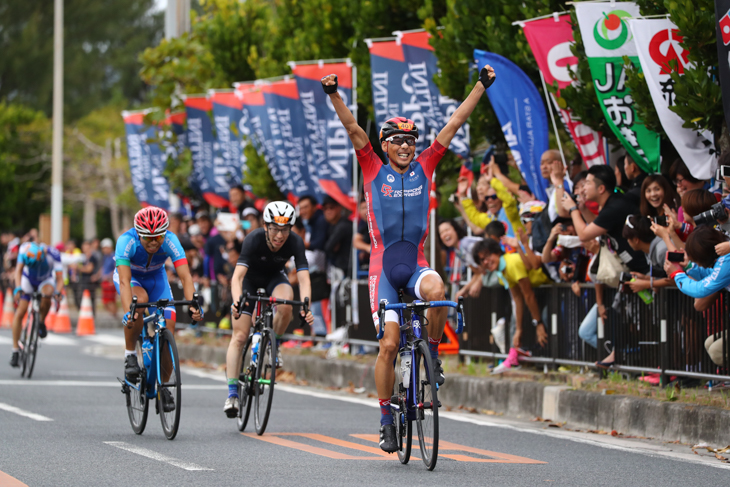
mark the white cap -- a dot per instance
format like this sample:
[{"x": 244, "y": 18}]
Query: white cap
[
  {"x": 107, "y": 242},
  {"x": 194, "y": 230}
]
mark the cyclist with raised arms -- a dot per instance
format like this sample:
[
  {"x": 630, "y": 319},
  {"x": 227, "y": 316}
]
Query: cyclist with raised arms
[
  {"x": 261, "y": 265},
  {"x": 140, "y": 271},
  {"x": 397, "y": 197},
  {"x": 38, "y": 269}
]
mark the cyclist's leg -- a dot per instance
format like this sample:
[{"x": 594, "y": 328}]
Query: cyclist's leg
[
  {"x": 241, "y": 329},
  {"x": 427, "y": 285},
  {"x": 157, "y": 288},
  {"x": 131, "y": 334},
  {"x": 280, "y": 288},
  {"x": 380, "y": 289},
  {"x": 47, "y": 287},
  {"x": 27, "y": 289}
]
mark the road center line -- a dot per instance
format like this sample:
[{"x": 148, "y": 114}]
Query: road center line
[
  {"x": 22, "y": 412},
  {"x": 97, "y": 383},
  {"x": 155, "y": 456}
]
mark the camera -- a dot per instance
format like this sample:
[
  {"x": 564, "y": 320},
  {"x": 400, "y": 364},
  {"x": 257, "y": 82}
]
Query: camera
[
  {"x": 661, "y": 220},
  {"x": 712, "y": 216},
  {"x": 676, "y": 257},
  {"x": 453, "y": 198}
]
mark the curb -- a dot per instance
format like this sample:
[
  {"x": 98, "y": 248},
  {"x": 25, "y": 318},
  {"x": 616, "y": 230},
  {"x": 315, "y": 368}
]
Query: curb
[{"x": 631, "y": 416}]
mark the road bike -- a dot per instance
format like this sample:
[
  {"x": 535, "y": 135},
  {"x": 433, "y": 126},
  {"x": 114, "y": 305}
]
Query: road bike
[
  {"x": 257, "y": 370},
  {"x": 415, "y": 393},
  {"x": 159, "y": 365},
  {"x": 28, "y": 344}
]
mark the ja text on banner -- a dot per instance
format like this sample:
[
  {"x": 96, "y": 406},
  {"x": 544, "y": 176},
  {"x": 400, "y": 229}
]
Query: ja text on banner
[
  {"x": 329, "y": 145},
  {"x": 550, "y": 40},
  {"x": 658, "y": 45},
  {"x": 521, "y": 113},
  {"x": 607, "y": 38}
]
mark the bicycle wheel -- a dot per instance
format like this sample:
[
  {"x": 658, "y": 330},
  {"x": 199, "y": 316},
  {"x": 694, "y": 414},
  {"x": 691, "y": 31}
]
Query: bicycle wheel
[
  {"x": 32, "y": 348},
  {"x": 137, "y": 401},
  {"x": 427, "y": 414},
  {"x": 403, "y": 425},
  {"x": 170, "y": 419},
  {"x": 23, "y": 345},
  {"x": 245, "y": 389},
  {"x": 264, "y": 383}
]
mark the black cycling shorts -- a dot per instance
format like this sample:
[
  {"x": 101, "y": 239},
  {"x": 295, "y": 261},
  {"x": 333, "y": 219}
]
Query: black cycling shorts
[{"x": 268, "y": 282}]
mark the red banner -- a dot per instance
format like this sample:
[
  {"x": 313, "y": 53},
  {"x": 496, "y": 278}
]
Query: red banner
[{"x": 550, "y": 41}]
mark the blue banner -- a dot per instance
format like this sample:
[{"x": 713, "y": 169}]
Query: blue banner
[
  {"x": 289, "y": 135},
  {"x": 521, "y": 113},
  {"x": 228, "y": 158},
  {"x": 146, "y": 161},
  {"x": 329, "y": 145},
  {"x": 200, "y": 141},
  {"x": 255, "y": 127}
]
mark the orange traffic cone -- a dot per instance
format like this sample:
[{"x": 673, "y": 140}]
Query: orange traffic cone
[
  {"x": 8, "y": 310},
  {"x": 62, "y": 323},
  {"x": 51, "y": 317},
  {"x": 85, "y": 326}
]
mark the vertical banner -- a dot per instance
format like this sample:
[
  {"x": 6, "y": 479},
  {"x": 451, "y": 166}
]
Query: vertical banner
[
  {"x": 658, "y": 42},
  {"x": 255, "y": 123},
  {"x": 146, "y": 160},
  {"x": 289, "y": 134},
  {"x": 550, "y": 40},
  {"x": 607, "y": 38},
  {"x": 228, "y": 158},
  {"x": 521, "y": 113},
  {"x": 722, "y": 16},
  {"x": 329, "y": 145},
  {"x": 199, "y": 137},
  {"x": 437, "y": 109},
  {"x": 393, "y": 95}
]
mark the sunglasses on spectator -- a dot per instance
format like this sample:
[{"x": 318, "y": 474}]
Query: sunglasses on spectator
[
  {"x": 155, "y": 238},
  {"x": 491, "y": 197},
  {"x": 400, "y": 139}
]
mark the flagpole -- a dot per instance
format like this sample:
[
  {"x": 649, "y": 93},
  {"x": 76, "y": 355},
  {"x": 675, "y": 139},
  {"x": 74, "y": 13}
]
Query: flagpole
[
  {"x": 523, "y": 22},
  {"x": 552, "y": 118},
  {"x": 354, "y": 301},
  {"x": 318, "y": 61}
]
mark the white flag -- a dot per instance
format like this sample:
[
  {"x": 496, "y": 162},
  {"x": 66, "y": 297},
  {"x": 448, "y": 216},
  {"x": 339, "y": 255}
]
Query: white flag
[{"x": 657, "y": 43}]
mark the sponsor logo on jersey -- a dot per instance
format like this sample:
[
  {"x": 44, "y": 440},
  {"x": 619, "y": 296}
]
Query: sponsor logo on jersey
[
  {"x": 390, "y": 178},
  {"x": 390, "y": 193},
  {"x": 173, "y": 248},
  {"x": 373, "y": 281},
  {"x": 387, "y": 190}
]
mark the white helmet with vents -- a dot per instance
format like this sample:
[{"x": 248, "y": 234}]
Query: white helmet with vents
[{"x": 280, "y": 213}]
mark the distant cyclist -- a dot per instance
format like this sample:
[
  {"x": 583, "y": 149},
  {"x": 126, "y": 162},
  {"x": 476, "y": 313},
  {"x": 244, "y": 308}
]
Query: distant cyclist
[
  {"x": 261, "y": 265},
  {"x": 397, "y": 197},
  {"x": 38, "y": 269},
  {"x": 140, "y": 258}
]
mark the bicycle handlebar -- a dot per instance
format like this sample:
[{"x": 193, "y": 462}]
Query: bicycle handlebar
[
  {"x": 419, "y": 305},
  {"x": 271, "y": 300},
  {"x": 162, "y": 304}
]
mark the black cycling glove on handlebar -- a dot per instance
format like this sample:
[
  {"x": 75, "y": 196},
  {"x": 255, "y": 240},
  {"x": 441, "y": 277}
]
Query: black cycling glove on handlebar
[
  {"x": 484, "y": 78},
  {"x": 329, "y": 89}
]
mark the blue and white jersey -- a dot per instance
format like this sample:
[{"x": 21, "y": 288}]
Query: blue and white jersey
[
  {"x": 130, "y": 252},
  {"x": 42, "y": 270}
]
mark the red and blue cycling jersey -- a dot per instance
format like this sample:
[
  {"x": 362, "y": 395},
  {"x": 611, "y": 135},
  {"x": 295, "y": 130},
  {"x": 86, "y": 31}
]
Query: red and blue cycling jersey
[
  {"x": 397, "y": 207},
  {"x": 148, "y": 271}
]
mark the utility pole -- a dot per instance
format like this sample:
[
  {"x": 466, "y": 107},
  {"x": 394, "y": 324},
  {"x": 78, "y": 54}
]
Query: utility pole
[
  {"x": 57, "y": 154},
  {"x": 177, "y": 18}
]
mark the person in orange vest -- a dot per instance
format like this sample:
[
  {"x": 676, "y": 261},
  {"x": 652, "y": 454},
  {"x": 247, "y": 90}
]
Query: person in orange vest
[{"x": 38, "y": 268}]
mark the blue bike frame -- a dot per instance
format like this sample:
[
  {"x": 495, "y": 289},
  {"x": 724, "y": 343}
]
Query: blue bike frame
[{"x": 152, "y": 367}]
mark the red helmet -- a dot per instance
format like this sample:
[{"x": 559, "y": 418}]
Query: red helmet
[
  {"x": 396, "y": 126},
  {"x": 151, "y": 221}
]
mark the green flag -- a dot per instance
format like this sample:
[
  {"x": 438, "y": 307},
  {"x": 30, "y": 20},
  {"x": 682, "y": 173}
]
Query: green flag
[{"x": 607, "y": 38}]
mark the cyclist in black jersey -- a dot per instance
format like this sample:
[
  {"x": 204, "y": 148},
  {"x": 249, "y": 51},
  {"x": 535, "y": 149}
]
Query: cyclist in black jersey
[{"x": 262, "y": 262}]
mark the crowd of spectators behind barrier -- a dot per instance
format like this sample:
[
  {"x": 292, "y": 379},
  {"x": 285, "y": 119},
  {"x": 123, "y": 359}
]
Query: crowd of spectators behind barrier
[{"x": 595, "y": 220}]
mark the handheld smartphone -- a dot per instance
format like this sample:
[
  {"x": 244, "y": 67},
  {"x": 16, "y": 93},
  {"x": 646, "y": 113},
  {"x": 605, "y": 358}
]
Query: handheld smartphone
[
  {"x": 724, "y": 172},
  {"x": 661, "y": 220},
  {"x": 675, "y": 256}
]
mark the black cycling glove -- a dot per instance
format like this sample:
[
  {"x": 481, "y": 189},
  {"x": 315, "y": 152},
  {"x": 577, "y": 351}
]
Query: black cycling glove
[
  {"x": 329, "y": 89},
  {"x": 484, "y": 78}
]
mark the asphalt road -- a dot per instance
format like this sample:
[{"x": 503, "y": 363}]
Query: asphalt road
[{"x": 68, "y": 426}]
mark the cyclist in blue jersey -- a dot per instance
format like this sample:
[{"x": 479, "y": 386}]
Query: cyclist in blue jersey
[
  {"x": 38, "y": 269},
  {"x": 397, "y": 197},
  {"x": 140, "y": 260}
]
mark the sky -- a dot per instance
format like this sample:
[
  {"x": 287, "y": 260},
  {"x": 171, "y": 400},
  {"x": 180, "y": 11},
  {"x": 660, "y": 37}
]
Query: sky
[{"x": 160, "y": 5}]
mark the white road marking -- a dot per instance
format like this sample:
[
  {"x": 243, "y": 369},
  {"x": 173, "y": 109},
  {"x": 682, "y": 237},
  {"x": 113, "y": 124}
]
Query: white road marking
[
  {"x": 155, "y": 456},
  {"x": 53, "y": 339},
  {"x": 22, "y": 412},
  {"x": 90, "y": 383},
  {"x": 107, "y": 339},
  {"x": 6, "y": 340}
]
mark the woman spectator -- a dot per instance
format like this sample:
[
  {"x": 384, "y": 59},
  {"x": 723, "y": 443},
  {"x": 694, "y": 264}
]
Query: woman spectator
[
  {"x": 473, "y": 211},
  {"x": 458, "y": 248},
  {"x": 656, "y": 193},
  {"x": 683, "y": 179}
]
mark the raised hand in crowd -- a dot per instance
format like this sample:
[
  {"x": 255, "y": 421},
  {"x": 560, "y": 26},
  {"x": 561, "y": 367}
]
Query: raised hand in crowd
[
  {"x": 671, "y": 267},
  {"x": 722, "y": 248},
  {"x": 672, "y": 218},
  {"x": 557, "y": 174},
  {"x": 567, "y": 202},
  {"x": 665, "y": 233},
  {"x": 462, "y": 186}
]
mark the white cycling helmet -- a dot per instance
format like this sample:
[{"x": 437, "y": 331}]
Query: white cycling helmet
[{"x": 280, "y": 213}]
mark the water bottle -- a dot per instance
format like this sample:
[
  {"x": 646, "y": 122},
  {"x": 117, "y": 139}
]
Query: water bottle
[
  {"x": 646, "y": 295},
  {"x": 147, "y": 352},
  {"x": 255, "y": 347},
  {"x": 405, "y": 368}
]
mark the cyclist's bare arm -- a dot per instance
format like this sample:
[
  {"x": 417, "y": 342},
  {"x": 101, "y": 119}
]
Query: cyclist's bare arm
[
  {"x": 305, "y": 291},
  {"x": 183, "y": 272},
  {"x": 462, "y": 113},
  {"x": 357, "y": 135},
  {"x": 125, "y": 286},
  {"x": 59, "y": 282},
  {"x": 237, "y": 284},
  {"x": 18, "y": 273}
]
